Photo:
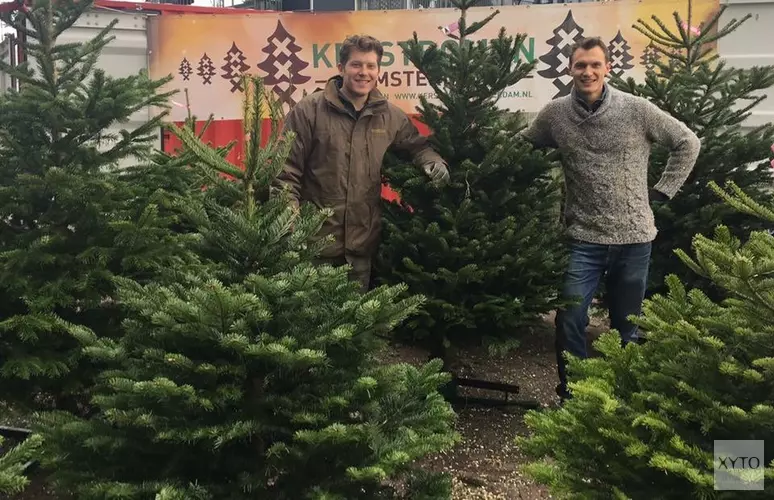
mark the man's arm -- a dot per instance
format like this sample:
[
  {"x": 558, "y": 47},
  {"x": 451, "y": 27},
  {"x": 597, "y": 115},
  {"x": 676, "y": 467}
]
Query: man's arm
[
  {"x": 297, "y": 122},
  {"x": 538, "y": 132},
  {"x": 409, "y": 141},
  {"x": 662, "y": 128}
]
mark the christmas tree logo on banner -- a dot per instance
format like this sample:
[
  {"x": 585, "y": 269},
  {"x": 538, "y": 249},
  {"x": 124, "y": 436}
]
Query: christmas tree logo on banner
[
  {"x": 205, "y": 69},
  {"x": 185, "y": 69},
  {"x": 235, "y": 67},
  {"x": 282, "y": 65},
  {"x": 558, "y": 58},
  {"x": 620, "y": 57},
  {"x": 649, "y": 57}
]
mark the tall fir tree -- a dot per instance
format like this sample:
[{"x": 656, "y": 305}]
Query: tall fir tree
[
  {"x": 690, "y": 82},
  {"x": 256, "y": 379},
  {"x": 486, "y": 248},
  {"x": 643, "y": 420},
  {"x": 69, "y": 221}
]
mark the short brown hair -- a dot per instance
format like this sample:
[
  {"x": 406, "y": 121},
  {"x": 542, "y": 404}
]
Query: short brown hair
[
  {"x": 588, "y": 44},
  {"x": 361, "y": 43}
]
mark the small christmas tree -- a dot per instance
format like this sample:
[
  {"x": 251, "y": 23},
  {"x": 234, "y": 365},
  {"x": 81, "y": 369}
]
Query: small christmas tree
[
  {"x": 714, "y": 100},
  {"x": 14, "y": 459},
  {"x": 486, "y": 248},
  {"x": 70, "y": 220},
  {"x": 256, "y": 379},
  {"x": 643, "y": 420}
]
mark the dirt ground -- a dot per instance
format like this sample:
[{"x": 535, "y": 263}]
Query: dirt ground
[{"x": 486, "y": 465}]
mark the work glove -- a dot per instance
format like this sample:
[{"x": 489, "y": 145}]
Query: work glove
[{"x": 437, "y": 172}]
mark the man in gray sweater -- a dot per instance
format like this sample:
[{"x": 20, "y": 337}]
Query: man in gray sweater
[{"x": 604, "y": 137}]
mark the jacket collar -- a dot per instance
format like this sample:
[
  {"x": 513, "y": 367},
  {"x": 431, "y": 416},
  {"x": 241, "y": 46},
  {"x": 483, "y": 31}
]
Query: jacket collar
[{"x": 334, "y": 96}]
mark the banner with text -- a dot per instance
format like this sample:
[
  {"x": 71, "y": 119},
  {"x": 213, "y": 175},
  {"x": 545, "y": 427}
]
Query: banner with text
[{"x": 297, "y": 52}]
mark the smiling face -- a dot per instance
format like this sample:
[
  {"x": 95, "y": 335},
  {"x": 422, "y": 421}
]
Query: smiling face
[
  {"x": 589, "y": 68},
  {"x": 360, "y": 73}
]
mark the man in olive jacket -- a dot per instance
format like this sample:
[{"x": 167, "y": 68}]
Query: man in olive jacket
[{"x": 342, "y": 133}]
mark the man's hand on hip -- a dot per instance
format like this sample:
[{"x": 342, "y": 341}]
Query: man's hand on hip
[{"x": 437, "y": 172}]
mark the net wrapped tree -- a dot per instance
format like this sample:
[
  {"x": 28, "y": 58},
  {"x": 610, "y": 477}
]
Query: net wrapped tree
[
  {"x": 69, "y": 219},
  {"x": 689, "y": 81},
  {"x": 486, "y": 248},
  {"x": 256, "y": 378},
  {"x": 643, "y": 420}
]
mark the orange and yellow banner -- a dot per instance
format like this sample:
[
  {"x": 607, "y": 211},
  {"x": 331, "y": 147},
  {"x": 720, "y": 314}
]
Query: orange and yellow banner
[{"x": 297, "y": 52}]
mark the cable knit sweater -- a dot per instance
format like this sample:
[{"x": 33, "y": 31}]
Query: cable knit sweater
[{"x": 605, "y": 158}]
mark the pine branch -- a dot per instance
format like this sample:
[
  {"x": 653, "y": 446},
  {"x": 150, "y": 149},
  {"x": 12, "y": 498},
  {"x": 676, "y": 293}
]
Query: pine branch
[
  {"x": 668, "y": 39},
  {"x": 205, "y": 154},
  {"x": 733, "y": 25},
  {"x": 478, "y": 24},
  {"x": 739, "y": 200},
  {"x": 13, "y": 463}
]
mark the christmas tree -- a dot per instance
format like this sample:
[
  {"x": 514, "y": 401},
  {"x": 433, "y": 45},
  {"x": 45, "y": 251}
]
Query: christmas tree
[
  {"x": 485, "y": 249},
  {"x": 13, "y": 463},
  {"x": 257, "y": 378},
  {"x": 643, "y": 420},
  {"x": 690, "y": 82},
  {"x": 70, "y": 220}
]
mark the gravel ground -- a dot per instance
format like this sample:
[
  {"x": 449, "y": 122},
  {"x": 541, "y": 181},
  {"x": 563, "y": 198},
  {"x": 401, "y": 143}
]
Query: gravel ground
[{"x": 486, "y": 465}]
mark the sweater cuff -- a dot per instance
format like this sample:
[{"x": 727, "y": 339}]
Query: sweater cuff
[{"x": 661, "y": 189}]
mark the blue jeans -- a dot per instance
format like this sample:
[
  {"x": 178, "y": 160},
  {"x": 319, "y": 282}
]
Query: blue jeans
[{"x": 626, "y": 270}]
